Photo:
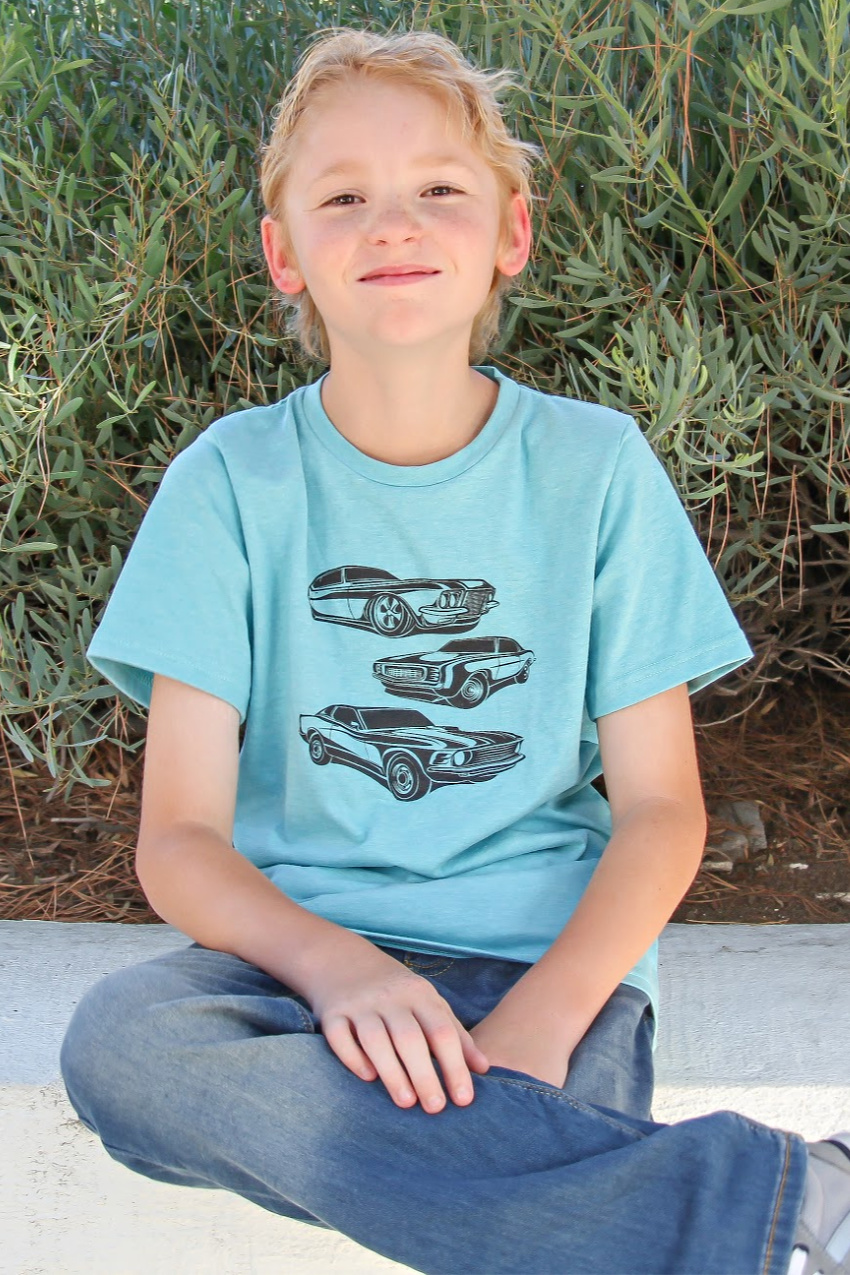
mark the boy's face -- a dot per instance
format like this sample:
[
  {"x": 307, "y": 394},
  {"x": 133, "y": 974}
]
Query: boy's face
[{"x": 394, "y": 205}]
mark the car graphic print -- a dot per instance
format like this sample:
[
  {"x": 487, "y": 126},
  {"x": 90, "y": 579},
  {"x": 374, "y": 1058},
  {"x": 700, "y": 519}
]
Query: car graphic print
[
  {"x": 404, "y": 750},
  {"x": 463, "y": 672},
  {"x": 374, "y": 599}
]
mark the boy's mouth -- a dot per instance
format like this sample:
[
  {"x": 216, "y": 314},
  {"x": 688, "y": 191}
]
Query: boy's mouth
[{"x": 409, "y": 272}]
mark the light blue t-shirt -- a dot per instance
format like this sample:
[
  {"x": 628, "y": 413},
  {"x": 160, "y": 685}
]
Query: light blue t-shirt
[{"x": 419, "y": 652}]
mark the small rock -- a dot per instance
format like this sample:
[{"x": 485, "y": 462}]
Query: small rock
[{"x": 735, "y": 831}]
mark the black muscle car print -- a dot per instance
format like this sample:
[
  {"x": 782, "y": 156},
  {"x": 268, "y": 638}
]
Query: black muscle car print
[
  {"x": 404, "y": 750},
  {"x": 370, "y": 598},
  {"x": 463, "y": 672}
]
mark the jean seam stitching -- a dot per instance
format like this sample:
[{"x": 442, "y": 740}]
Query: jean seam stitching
[
  {"x": 305, "y": 1017},
  {"x": 558, "y": 1094},
  {"x": 412, "y": 964},
  {"x": 779, "y": 1196}
]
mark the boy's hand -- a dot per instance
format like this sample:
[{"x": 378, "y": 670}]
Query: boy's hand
[
  {"x": 522, "y": 1032},
  {"x": 543, "y": 1058},
  {"x": 380, "y": 1018}
]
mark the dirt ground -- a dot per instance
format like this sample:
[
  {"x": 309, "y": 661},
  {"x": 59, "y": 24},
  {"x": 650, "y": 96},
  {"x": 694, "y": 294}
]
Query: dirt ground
[{"x": 789, "y": 752}]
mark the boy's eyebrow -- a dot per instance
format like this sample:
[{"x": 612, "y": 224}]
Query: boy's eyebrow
[{"x": 345, "y": 166}]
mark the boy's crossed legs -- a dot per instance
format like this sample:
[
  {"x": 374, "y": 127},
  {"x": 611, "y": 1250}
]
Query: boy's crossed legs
[{"x": 198, "y": 1068}]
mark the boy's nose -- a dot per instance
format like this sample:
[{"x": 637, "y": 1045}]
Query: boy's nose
[{"x": 393, "y": 219}]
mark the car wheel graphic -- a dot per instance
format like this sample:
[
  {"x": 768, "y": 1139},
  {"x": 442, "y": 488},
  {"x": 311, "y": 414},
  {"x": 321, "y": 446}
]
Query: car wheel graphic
[
  {"x": 522, "y": 675},
  {"x": 405, "y": 777},
  {"x": 474, "y": 690},
  {"x": 318, "y": 752},
  {"x": 389, "y": 615}
]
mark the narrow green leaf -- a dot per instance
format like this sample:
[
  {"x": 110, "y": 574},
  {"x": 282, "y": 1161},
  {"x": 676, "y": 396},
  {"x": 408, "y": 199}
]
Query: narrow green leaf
[
  {"x": 736, "y": 192},
  {"x": 34, "y": 546}
]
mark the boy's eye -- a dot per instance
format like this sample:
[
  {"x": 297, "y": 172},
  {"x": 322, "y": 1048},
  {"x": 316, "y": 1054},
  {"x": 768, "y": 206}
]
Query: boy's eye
[{"x": 450, "y": 189}]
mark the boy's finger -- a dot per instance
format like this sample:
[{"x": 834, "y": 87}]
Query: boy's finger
[
  {"x": 476, "y": 1058},
  {"x": 340, "y": 1036},
  {"x": 444, "y": 1037},
  {"x": 375, "y": 1038},
  {"x": 412, "y": 1047}
]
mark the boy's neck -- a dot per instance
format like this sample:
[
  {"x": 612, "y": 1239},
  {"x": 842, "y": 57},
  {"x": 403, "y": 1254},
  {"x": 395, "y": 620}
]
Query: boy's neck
[{"x": 408, "y": 417}]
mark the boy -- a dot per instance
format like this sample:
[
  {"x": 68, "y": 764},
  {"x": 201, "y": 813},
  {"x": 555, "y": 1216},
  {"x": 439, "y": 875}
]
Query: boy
[{"x": 417, "y": 526}]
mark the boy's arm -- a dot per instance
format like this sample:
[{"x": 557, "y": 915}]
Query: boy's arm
[
  {"x": 185, "y": 861},
  {"x": 378, "y": 1017},
  {"x": 649, "y": 760}
]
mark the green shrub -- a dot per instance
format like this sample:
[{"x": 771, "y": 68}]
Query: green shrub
[{"x": 692, "y": 266}]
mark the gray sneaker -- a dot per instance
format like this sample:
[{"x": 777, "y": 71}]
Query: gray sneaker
[{"x": 822, "y": 1239}]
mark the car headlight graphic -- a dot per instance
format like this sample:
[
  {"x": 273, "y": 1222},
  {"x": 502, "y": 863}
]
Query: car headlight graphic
[{"x": 459, "y": 757}]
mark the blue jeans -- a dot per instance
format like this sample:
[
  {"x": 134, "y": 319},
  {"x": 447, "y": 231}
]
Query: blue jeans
[{"x": 198, "y": 1068}]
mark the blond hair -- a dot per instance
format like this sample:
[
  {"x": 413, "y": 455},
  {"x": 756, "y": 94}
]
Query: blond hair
[{"x": 428, "y": 61}]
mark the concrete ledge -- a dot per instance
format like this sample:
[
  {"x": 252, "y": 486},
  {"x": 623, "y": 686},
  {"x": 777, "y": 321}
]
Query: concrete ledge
[{"x": 755, "y": 1019}]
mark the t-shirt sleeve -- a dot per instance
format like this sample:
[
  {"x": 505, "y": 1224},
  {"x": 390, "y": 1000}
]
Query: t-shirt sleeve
[
  {"x": 660, "y": 615},
  {"x": 181, "y": 603}
]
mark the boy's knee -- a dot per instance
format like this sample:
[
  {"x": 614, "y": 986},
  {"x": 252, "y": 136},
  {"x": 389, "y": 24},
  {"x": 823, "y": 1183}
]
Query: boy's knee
[{"x": 101, "y": 1025}]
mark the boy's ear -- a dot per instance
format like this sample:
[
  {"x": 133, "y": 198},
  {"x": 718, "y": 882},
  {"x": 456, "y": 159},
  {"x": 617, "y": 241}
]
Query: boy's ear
[
  {"x": 283, "y": 270},
  {"x": 516, "y": 241}
]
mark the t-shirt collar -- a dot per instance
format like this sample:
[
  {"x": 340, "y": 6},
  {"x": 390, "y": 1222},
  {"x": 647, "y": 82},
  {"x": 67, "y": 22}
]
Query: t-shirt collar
[{"x": 437, "y": 471}]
